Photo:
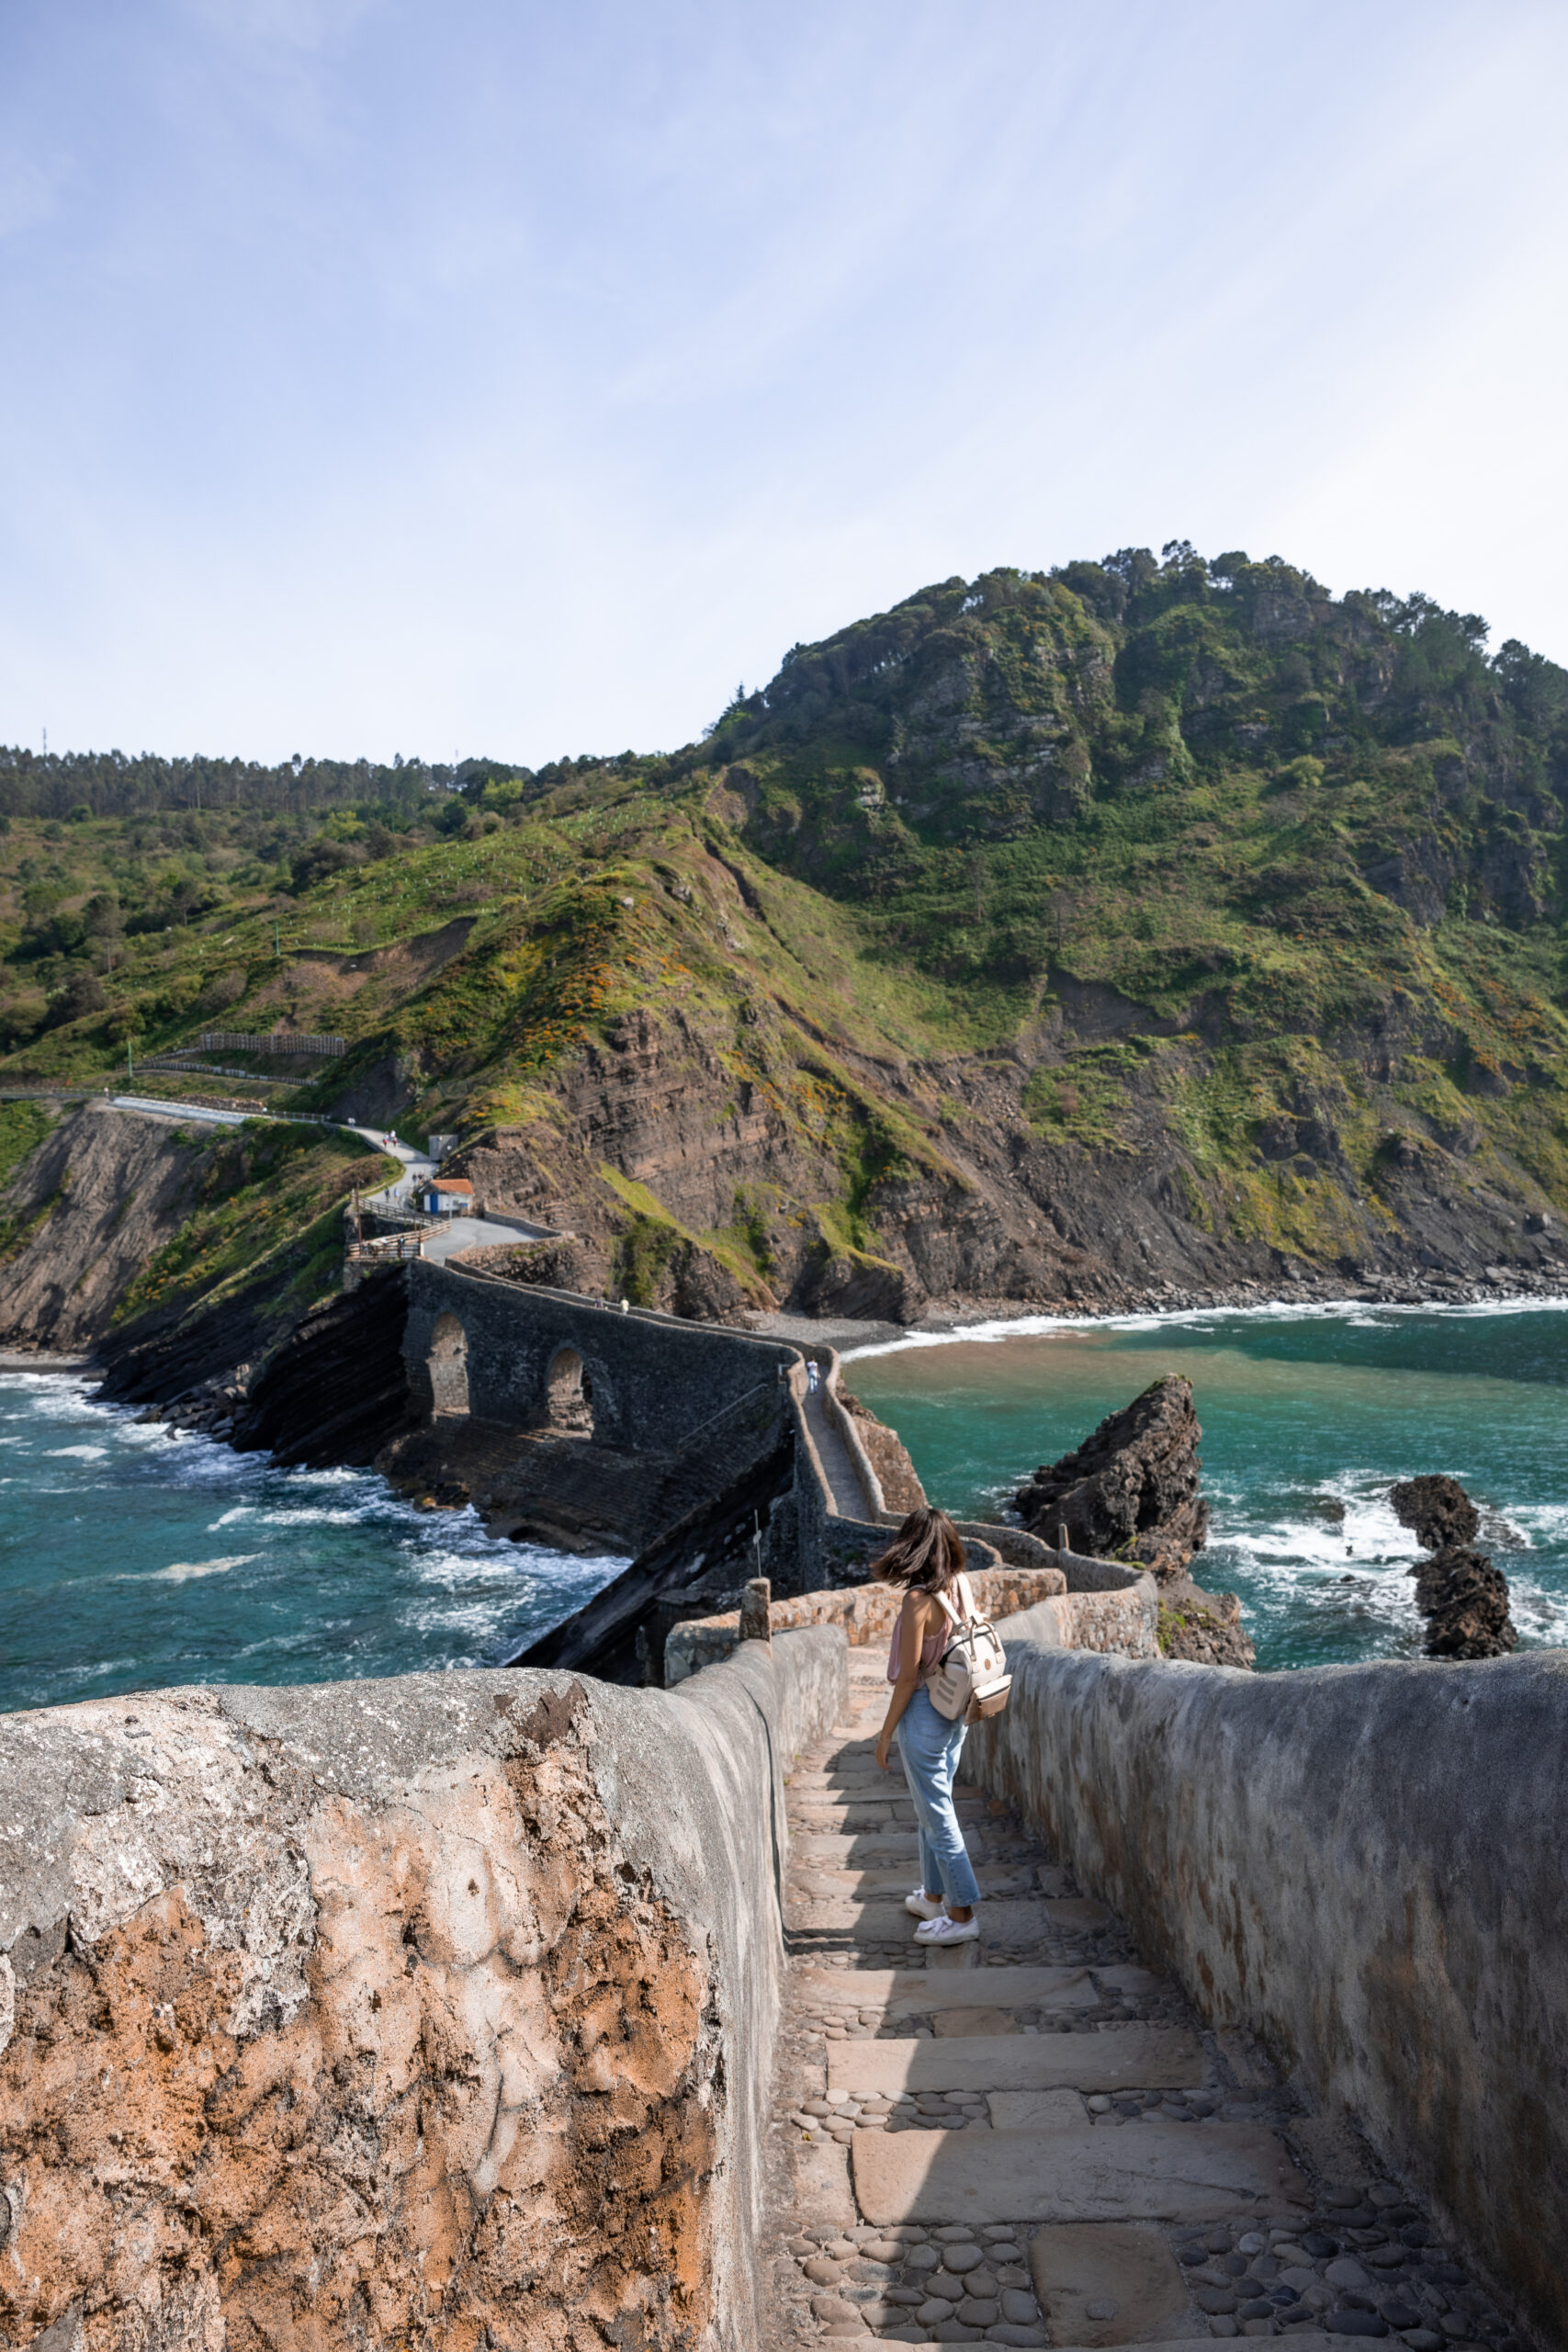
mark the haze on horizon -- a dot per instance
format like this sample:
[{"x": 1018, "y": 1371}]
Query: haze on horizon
[{"x": 514, "y": 380}]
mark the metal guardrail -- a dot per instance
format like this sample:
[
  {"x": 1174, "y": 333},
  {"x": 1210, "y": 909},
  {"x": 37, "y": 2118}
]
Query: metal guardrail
[{"x": 386, "y": 1248}]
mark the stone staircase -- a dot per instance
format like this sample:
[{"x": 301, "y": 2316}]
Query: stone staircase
[{"x": 1029, "y": 2140}]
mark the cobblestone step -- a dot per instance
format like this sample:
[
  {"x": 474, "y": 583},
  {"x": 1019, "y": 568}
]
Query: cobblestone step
[
  {"x": 907, "y": 1993},
  {"x": 830, "y": 1885},
  {"x": 1156, "y": 2172},
  {"x": 1128, "y": 2057}
]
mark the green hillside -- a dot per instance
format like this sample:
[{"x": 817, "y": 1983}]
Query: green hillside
[{"x": 1046, "y": 934}]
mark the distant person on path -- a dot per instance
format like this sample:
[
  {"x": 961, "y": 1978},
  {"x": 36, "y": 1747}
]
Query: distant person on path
[
  {"x": 926, "y": 1558},
  {"x": 811, "y": 1374}
]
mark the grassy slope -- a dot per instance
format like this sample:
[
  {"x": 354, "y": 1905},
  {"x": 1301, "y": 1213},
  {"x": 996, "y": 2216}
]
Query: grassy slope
[{"x": 1323, "y": 854}]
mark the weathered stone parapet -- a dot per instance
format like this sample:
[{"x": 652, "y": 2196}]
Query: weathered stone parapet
[
  {"x": 440, "y": 2007},
  {"x": 1125, "y": 1621},
  {"x": 1362, "y": 1866}
]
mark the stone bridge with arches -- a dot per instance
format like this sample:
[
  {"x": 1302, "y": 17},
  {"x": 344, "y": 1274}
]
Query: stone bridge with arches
[{"x": 693, "y": 1446}]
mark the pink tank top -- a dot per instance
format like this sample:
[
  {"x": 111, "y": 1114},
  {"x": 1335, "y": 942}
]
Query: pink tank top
[{"x": 929, "y": 1650}]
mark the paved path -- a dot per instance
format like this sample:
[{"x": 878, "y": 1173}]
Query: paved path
[
  {"x": 1030, "y": 2141},
  {"x": 181, "y": 1111},
  {"x": 850, "y": 1497}
]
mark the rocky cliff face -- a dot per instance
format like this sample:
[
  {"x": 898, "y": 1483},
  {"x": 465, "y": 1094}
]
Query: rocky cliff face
[
  {"x": 85, "y": 1212},
  {"x": 1002, "y": 1205},
  {"x": 336, "y": 1390}
]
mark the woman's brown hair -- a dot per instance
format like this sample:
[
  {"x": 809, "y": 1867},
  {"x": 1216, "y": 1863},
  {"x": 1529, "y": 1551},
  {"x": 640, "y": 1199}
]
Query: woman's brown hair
[{"x": 926, "y": 1554}]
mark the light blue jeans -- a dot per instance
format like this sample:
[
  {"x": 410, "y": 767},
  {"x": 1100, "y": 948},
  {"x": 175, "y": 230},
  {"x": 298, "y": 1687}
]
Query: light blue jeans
[{"x": 931, "y": 1746}]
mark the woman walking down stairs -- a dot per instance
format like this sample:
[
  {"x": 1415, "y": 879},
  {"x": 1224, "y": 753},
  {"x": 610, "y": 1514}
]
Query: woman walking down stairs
[{"x": 1025, "y": 2139}]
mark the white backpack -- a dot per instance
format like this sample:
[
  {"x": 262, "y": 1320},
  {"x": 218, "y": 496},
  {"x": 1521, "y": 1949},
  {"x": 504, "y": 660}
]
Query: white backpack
[{"x": 970, "y": 1678}]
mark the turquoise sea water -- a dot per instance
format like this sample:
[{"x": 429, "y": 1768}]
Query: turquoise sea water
[
  {"x": 130, "y": 1559},
  {"x": 1309, "y": 1416}
]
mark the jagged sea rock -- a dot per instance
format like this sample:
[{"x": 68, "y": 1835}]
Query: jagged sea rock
[
  {"x": 1464, "y": 1600},
  {"x": 1437, "y": 1509},
  {"x": 1131, "y": 1491},
  {"x": 1463, "y": 1596}
]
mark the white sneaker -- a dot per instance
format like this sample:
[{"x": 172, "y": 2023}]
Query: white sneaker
[
  {"x": 921, "y": 1903},
  {"x": 944, "y": 1930}
]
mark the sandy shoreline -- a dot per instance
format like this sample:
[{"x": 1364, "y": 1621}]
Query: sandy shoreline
[{"x": 983, "y": 1317}]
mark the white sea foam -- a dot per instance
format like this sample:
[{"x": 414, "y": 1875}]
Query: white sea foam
[
  {"x": 240, "y": 1510},
  {"x": 308, "y": 1518},
  {"x": 77, "y": 1452},
  {"x": 181, "y": 1571}
]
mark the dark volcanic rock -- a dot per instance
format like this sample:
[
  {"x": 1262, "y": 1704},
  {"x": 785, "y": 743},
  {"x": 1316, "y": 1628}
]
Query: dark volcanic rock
[
  {"x": 1437, "y": 1510},
  {"x": 1130, "y": 1492},
  {"x": 1465, "y": 1601}
]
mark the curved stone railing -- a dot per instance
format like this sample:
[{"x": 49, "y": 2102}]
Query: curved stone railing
[
  {"x": 450, "y": 1999},
  {"x": 1361, "y": 1865}
]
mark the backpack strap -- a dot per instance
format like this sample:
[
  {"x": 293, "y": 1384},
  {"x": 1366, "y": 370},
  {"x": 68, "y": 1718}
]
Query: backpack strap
[{"x": 966, "y": 1603}]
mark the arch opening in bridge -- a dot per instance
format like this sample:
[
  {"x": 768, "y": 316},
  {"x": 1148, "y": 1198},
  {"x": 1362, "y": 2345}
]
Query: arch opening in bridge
[
  {"x": 448, "y": 1364},
  {"x": 569, "y": 1392}
]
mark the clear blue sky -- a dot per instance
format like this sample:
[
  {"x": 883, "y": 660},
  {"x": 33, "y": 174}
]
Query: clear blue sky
[{"x": 516, "y": 380}]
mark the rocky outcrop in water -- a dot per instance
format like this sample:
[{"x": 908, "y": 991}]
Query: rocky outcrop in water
[
  {"x": 1464, "y": 1600},
  {"x": 1463, "y": 1596},
  {"x": 1131, "y": 1491},
  {"x": 1437, "y": 1509}
]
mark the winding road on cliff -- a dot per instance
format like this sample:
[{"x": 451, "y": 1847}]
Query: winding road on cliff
[
  {"x": 1029, "y": 2140},
  {"x": 452, "y": 1234}
]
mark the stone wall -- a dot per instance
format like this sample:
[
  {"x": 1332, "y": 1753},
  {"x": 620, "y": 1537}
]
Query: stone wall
[
  {"x": 657, "y": 1382},
  {"x": 439, "y": 2008},
  {"x": 1124, "y": 1622},
  {"x": 1362, "y": 1865}
]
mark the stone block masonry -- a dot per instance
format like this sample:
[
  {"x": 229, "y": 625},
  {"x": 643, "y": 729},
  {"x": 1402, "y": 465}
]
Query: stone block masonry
[
  {"x": 654, "y": 1383},
  {"x": 1360, "y": 1866},
  {"x": 435, "y": 2009}
]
